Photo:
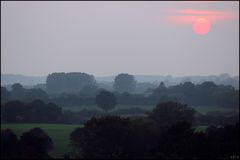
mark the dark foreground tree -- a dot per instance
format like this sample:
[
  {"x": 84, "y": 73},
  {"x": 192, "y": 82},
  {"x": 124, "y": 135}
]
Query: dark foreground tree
[
  {"x": 169, "y": 113},
  {"x": 35, "y": 144},
  {"x": 8, "y": 144},
  {"x": 106, "y": 100},
  {"x": 114, "y": 137},
  {"x": 103, "y": 138}
]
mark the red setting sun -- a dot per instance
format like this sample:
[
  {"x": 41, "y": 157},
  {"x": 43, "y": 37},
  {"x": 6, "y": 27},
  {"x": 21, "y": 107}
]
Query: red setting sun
[
  {"x": 201, "y": 26},
  {"x": 200, "y": 20}
]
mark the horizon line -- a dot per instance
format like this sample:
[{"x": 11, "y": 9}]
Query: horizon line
[{"x": 110, "y": 75}]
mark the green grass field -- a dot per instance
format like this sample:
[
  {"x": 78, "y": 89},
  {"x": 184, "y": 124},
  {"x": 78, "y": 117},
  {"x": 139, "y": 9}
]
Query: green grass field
[
  {"x": 200, "y": 128},
  {"x": 59, "y": 133},
  {"x": 205, "y": 109}
]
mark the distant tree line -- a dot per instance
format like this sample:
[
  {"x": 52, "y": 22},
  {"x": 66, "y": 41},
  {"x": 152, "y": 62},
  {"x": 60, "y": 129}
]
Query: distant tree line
[
  {"x": 38, "y": 111},
  {"x": 74, "y": 82},
  {"x": 205, "y": 94},
  {"x": 35, "y": 112},
  {"x": 18, "y": 92},
  {"x": 76, "y": 89}
]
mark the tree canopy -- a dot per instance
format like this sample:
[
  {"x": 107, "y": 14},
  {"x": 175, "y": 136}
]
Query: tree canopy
[
  {"x": 124, "y": 83},
  {"x": 106, "y": 100},
  {"x": 33, "y": 144},
  {"x": 68, "y": 82},
  {"x": 112, "y": 137}
]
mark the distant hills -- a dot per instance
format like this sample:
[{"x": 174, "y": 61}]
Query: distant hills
[{"x": 225, "y": 79}]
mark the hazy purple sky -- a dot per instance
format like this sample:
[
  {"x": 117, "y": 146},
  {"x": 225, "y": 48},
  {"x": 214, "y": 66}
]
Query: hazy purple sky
[{"x": 107, "y": 38}]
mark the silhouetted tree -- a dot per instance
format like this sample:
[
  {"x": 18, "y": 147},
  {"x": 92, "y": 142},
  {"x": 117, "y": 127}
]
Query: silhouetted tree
[
  {"x": 9, "y": 144},
  {"x": 104, "y": 138},
  {"x": 106, "y": 100},
  {"x": 143, "y": 139},
  {"x": 168, "y": 113},
  {"x": 115, "y": 137},
  {"x": 35, "y": 144},
  {"x": 124, "y": 83}
]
